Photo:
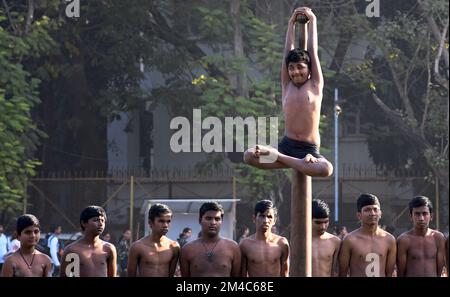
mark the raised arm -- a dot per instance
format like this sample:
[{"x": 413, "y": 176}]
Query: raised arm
[
  {"x": 313, "y": 48},
  {"x": 288, "y": 46}
]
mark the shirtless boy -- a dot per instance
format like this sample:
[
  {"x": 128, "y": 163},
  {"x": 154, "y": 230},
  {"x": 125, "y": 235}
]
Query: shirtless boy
[
  {"x": 97, "y": 258},
  {"x": 421, "y": 250},
  {"x": 369, "y": 250},
  {"x": 155, "y": 254},
  {"x": 210, "y": 255},
  {"x": 27, "y": 261},
  {"x": 264, "y": 254},
  {"x": 325, "y": 246},
  {"x": 302, "y": 90}
]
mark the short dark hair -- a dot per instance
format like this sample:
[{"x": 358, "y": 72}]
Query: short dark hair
[
  {"x": 419, "y": 201},
  {"x": 157, "y": 210},
  {"x": 25, "y": 221},
  {"x": 186, "y": 230},
  {"x": 263, "y": 205},
  {"x": 366, "y": 199},
  {"x": 207, "y": 206},
  {"x": 298, "y": 55},
  {"x": 54, "y": 227},
  {"x": 320, "y": 209},
  {"x": 89, "y": 212}
]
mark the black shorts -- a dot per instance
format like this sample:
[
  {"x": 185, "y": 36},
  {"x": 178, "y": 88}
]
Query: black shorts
[{"x": 298, "y": 149}]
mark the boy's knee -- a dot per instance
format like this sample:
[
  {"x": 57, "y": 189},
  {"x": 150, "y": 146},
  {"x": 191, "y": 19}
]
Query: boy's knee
[
  {"x": 248, "y": 155},
  {"x": 328, "y": 170}
]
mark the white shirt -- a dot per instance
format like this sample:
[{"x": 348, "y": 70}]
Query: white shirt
[
  {"x": 54, "y": 249},
  {"x": 3, "y": 247}
]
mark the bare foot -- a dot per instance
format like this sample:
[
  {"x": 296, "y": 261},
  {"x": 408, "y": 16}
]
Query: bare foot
[
  {"x": 310, "y": 159},
  {"x": 267, "y": 153}
]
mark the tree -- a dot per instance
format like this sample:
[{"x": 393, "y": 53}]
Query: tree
[
  {"x": 23, "y": 37},
  {"x": 406, "y": 70}
]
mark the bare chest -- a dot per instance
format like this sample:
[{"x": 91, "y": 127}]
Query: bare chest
[
  {"x": 219, "y": 260},
  {"x": 300, "y": 98},
  {"x": 422, "y": 249},
  {"x": 367, "y": 250},
  {"x": 323, "y": 249},
  {"x": 156, "y": 256}
]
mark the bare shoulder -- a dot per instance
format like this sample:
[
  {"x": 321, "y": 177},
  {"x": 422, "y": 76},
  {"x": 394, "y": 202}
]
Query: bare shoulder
[
  {"x": 173, "y": 243},
  {"x": 230, "y": 243},
  {"x": 437, "y": 235},
  {"x": 387, "y": 236},
  {"x": 336, "y": 240},
  {"x": 43, "y": 256},
  {"x": 190, "y": 246},
  {"x": 11, "y": 258},
  {"x": 246, "y": 242},
  {"x": 109, "y": 246},
  {"x": 281, "y": 240},
  {"x": 73, "y": 247},
  {"x": 351, "y": 237},
  {"x": 136, "y": 245},
  {"x": 404, "y": 238}
]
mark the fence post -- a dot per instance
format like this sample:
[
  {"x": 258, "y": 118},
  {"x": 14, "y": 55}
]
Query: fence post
[{"x": 131, "y": 205}]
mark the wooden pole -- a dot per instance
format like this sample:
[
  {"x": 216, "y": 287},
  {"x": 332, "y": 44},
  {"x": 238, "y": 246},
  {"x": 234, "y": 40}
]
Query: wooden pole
[
  {"x": 301, "y": 219},
  {"x": 437, "y": 194},
  {"x": 131, "y": 206}
]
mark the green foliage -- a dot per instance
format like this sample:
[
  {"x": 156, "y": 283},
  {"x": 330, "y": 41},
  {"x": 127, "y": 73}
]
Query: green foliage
[
  {"x": 18, "y": 94},
  {"x": 402, "y": 44}
]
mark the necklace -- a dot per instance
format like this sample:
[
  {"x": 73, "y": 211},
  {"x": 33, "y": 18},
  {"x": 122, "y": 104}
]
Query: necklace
[
  {"x": 210, "y": 254},
  {"x": 32, "y": 259}
]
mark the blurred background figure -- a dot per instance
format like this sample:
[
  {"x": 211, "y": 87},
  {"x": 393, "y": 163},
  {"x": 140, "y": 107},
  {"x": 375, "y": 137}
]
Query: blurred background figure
[
  {"x": 342, "y": 232},
  {"x": 3, "y": 246},
  {"x": 106, "y": 237},
  {"x": 184, "y": 236},
  {"x": 245, "y": 232},
  {"x": 123, "y": 248}
]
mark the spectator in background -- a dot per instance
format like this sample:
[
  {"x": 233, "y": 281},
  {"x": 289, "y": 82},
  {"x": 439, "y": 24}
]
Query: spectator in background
[
  {"x": 106, "y": 237},
  {"x": 14, "y": 244},
  {"x": 342, "y": 232},
  {"x": 56, "y": 248},
  {"x": 184, "y": 236},
  {"x": 274, "y": 229},
  {"x": 245, "y": 233},
  {"x": 3, "y": 246},
  {"x": 122, "y": 252}
]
